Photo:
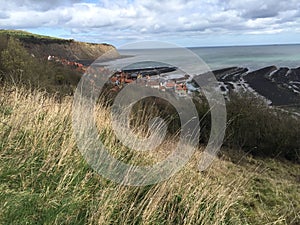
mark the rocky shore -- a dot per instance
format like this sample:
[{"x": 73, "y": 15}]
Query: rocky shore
[{"x": 279, "y": 86}]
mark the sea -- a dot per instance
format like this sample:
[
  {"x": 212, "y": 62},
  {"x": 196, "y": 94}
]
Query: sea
[{"x": 251, "y": 57}]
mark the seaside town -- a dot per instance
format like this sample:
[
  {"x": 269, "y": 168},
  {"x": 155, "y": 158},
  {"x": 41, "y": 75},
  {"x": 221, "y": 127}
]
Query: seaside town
[
  {"x": 149, "y": 77},
  {"x": 161, "y": 78},
  {"x": 152, "y": 78}
]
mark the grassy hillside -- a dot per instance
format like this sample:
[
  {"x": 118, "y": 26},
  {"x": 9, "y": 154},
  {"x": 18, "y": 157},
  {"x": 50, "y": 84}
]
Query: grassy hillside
[
  {"x": 44, "y": 179},
  {"x": 22, "y": 35},
  {"x": 42, "y": 46},
  {"x": 19, "y": 67}
]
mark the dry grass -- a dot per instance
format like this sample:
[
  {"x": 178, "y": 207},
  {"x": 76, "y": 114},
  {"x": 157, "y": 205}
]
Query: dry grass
[{"x": 45, "y": 180}]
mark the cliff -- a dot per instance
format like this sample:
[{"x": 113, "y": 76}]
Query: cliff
[{"x": 43, "y": 46}]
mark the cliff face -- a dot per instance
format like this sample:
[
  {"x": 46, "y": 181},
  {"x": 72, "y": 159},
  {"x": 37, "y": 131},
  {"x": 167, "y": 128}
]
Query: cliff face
[
  {"x": 43, "y": 46},
  {"x": 70, "y": 49}
]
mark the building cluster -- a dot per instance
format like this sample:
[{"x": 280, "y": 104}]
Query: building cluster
[{"x": 177, "y": 85}]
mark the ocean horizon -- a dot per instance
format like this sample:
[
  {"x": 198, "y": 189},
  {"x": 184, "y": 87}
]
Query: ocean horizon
[{"x": 252, "y": 57}]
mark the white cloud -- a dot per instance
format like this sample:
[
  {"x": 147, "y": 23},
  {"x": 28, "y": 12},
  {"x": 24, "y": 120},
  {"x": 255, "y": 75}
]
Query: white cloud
[{"x": 130, "y": 19}]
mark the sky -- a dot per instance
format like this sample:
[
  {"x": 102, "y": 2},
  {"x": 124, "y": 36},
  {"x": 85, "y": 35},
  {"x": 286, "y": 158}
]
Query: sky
[{"x": 187, "y": 23}]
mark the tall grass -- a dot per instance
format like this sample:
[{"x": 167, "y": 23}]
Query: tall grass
[{"x": 45, "y": 180}]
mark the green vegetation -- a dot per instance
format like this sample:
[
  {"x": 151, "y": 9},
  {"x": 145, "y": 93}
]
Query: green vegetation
[
  {"x": 44, "y": 179},
  {"x": 252, "y": 126},
  {"x": 261, "y": 130},
  {"x": 27, "y": 36},
  {"x": 19, "y": 67}
]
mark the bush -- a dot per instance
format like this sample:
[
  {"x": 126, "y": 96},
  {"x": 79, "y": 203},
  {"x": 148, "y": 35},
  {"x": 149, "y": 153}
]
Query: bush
[
  {"x": 253, "y": 126},
  {"x": 16, "y": 62}
]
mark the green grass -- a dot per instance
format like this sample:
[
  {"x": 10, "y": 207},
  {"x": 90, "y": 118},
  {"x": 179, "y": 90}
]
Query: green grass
[
  {"x": 45, "y": 180},
  {"x": 20, "y": 34},
  {"x": 38, "y": 38}
]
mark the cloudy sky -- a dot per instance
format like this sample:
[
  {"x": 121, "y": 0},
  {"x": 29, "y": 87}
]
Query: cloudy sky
[{"x": 183, "y": 22}]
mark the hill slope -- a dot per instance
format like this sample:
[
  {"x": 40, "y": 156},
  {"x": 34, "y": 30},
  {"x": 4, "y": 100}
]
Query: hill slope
[
  {"x": 45, "y": 180},
  {"x": 43, "y": 46}
]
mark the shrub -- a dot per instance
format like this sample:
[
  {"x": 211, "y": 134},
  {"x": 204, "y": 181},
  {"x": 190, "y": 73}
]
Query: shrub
[
  {"x": 16, "y": 61},
  {"x": 255, "y": 127}
]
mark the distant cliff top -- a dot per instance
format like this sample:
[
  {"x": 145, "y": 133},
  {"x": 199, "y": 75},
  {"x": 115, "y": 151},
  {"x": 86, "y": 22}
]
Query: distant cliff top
[{"x": 43, "y": 46}]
